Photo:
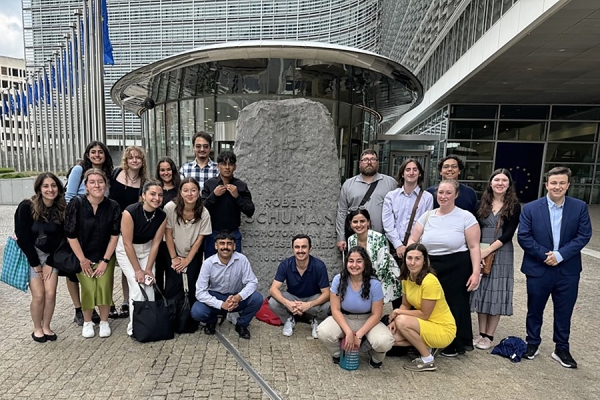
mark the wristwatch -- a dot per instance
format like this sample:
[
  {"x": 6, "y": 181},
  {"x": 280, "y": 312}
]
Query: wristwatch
[{"x": 106, "y": 260}]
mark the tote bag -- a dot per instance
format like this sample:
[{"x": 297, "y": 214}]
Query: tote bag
[
  {"x": 15, "y": 267},
  {"x": 153, "y": 320}
]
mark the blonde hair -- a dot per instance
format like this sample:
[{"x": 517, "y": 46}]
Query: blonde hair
[{"x": 143, "y": 169}]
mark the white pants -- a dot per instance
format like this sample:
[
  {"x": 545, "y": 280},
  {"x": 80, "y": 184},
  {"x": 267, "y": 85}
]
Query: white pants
[
  {"x": 142, "y": 251},
  {"x": 379, "y": 337}
]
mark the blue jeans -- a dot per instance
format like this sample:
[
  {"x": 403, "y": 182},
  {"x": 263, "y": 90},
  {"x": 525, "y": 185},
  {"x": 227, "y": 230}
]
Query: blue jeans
[
  {"x": 247, "y": 308},
  {"x": 209, "y": 243}
]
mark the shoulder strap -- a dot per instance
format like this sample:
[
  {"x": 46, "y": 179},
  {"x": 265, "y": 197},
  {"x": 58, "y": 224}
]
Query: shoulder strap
[
  {"x": 497, "y": 228},
  {"x": 412, "y": 218},
  {"x": 370, "y": 191}
]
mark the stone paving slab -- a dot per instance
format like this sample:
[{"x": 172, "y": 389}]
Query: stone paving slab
[{"x": 198, "y": 366}]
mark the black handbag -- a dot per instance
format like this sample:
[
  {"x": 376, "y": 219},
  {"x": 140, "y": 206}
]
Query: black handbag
[
  {"x": 153, "y": 320},
  {"x": 183, "y": 320},
  {"x": 65, "y": 260}
]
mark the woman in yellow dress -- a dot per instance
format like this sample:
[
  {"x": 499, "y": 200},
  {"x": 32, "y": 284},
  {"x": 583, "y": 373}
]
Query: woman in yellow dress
[{"x": 424, "y": 319}]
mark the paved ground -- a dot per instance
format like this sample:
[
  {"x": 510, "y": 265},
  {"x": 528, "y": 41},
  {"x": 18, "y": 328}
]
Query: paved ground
[{"x": 198, "y": 366}]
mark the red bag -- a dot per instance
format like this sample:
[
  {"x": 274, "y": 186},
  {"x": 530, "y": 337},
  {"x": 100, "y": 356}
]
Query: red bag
[{"x": 265, "y": 314}]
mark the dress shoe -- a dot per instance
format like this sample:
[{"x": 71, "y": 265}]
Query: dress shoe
[
  {"x": 243, "y": 331},
  {"x": 210, "y": 329},
  {"x": 51, "y": 337},
  {"x": 39, "y": 339}
]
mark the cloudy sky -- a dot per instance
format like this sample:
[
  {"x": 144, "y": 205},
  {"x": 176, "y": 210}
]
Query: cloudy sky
[{"x": 11, "y": 29}]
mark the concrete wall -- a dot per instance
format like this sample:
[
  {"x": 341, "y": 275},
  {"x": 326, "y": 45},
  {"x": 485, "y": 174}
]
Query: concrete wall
[{"x": 13, "y": 191}]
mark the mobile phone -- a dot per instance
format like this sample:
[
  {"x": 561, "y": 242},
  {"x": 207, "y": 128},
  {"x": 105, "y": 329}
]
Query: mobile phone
[{"x": 148, "y": 280}]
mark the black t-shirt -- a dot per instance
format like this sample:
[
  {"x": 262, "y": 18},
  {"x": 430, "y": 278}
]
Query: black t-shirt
[
  {"x": 168, "y": 195},
  {"x": 145, "y": 224},
  {"x": 92, "y": 230},
  {"x": 123, "y": 194}
]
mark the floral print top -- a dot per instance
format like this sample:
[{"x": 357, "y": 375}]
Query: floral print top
[{"x": 385, "y": 266}]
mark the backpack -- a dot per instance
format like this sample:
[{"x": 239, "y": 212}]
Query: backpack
[{"x": 265, "y": 314}]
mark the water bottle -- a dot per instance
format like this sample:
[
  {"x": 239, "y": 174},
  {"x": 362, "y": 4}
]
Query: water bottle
[{"x": 349, "y": 359}]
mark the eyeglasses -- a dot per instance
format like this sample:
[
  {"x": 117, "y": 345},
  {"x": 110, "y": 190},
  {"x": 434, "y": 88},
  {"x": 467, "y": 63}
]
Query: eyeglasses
[
  {"x": 450, "y": 166},
  {"x": 369, "y": 160}
]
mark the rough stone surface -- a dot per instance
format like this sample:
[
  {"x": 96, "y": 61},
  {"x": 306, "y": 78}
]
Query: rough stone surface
[{"x": 287, "y": 155}]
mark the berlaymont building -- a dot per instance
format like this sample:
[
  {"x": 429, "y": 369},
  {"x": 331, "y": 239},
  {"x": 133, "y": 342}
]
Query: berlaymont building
[{"x": 500, "y": 83}]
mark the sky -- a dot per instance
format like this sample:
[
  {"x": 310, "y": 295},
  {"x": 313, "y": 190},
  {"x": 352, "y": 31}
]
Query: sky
[{"x": 11, "y": 29}]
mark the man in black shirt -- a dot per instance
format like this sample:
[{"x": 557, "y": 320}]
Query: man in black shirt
[{"x": 225, "y": 198}]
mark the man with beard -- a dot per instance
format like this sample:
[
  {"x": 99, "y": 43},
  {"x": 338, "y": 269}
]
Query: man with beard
[
  {"x": 226, "y": 284},
  {"x": 307, "y": 288},
  {"x": 354, "y": 195},
  {"x": 202, "y": 168},
  {"x": 450, "y": 167}
]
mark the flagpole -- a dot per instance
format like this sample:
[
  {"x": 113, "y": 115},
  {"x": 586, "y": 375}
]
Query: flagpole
[
  {"x": 4, "y": 130},
  {"x": 24, "y": 132},
  {"x": 52, "y": 136},
  {"x": 42, "y": 116},
  {"x": 100, "y": 72},
  {"x": 58, "y": 138},
  {"x": 75, "y": 151},
  {"x": 81, "y": 107},
  {"x": 10, "y": 129},
  {"x": 31, "y": 123},
  {"x": 90, "y": 58}
]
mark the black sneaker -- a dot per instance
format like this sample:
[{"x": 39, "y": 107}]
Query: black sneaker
[
  {"x": 374, "y": 364},
  {"x": 449, "y": 352},
  {"x": 243, "y": 331},
  {"x": 78, "y": 317},
  {"x": 564, "y": 358},
  {"x": 336, "y": 360},
  {"x": 95, "y": 317},
  {"x": 210, "y": 329},
  {"x": 124, "y": 312},
  {"x": 532, "y": 351}
]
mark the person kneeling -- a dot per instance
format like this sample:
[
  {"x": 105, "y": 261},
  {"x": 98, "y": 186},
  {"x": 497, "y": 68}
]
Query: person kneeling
[
  {"x": 430, "y": 324},
  {"x": 226, "y": 284},
  {"x": 356, "y": 310}
]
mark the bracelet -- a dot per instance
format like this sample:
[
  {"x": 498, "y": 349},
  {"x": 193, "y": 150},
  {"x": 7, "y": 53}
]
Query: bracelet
[{"x": 106, "y": 260}]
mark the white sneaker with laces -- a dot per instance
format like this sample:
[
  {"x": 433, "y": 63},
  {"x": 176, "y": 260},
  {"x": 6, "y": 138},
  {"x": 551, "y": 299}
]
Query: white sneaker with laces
[
  {"x": 288, "y": 327},
  {"x": 314, "y": 324},
  {"x": 233, "y": 317},
  {"x": 104, "y": 329},
  {"x": 88, "y": 330},
  {"x": 484, "y": 344}
]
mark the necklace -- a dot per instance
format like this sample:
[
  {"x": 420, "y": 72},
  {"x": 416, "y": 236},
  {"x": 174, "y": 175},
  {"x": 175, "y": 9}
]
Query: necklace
[
  {"x": 130, "y": 179},
  {"x": 151, "y": 218}
]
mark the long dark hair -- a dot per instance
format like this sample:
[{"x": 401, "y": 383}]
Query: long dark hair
[
  {"x": 180, "y": 203},
  {"x": 367, "y": 274},
  {"x": 510, "y": 197},
  {"x": 107, "y": 166},
  {"x": 427, "y": 269},
  {"x": 39, "y": 211},
  {"x": 176, "y": 179}
]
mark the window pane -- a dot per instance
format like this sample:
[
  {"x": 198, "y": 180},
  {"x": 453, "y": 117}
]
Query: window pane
[
  {"x": 521, "y": 130},
  {"x": 573, "y": 131},
  {"x": 474, "y": 112},
  {"x": 472, "y": 150},
  {"x": 524, "y": 112},
  {"x": 570, "y": 152},
  {"x": 580, "y": 173},
  {"x": 471, "y": 130},
  {"x": 477, "y": 171},
  {"x": 582, "y": 113},
  {"x": 581, "y": 192}
]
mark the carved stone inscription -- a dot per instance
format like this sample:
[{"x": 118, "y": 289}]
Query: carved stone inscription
[{"x": 286, "y": 153}]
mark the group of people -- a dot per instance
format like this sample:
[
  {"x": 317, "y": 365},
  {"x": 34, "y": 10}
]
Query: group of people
[
  {"x": 441, "y": 237},
  {"x": 419, "y": 249}
]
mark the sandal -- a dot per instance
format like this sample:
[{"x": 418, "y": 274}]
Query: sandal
[
  {"x": 124, "y": 312},
  {"x": 113, "y": 313}
]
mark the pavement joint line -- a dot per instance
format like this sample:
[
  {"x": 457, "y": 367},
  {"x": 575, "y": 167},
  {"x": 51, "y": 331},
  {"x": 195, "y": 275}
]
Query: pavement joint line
[
  {"x": 268, "y": 390},
  {"x": 590, "y": 252}
]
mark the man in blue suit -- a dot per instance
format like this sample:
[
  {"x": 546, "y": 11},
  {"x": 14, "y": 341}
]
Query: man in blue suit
[{"x": 552, "y": 232}]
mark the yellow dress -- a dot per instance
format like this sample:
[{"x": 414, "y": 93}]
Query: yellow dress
[{"x": 440, "y": 329}]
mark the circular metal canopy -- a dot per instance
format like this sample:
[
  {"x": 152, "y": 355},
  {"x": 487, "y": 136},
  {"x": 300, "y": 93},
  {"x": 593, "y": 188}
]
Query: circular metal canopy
[{"x": 362, "y": 78}]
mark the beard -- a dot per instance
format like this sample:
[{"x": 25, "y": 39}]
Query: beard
[{"x": 368, "y": 170}]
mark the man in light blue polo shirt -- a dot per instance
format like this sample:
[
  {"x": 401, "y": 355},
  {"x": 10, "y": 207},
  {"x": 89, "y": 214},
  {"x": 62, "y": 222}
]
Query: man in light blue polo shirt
[{"x": 307, "y": 288}]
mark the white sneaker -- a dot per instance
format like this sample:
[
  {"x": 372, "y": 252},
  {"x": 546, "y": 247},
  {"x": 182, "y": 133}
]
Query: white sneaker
[
  {"x": 288, "y": 327},
  {"x": 88, "y": 330},
  {"x": 314, "y": 324},
  {"x": 104, "y": 329},
  {"x": 233, "y": 317}
]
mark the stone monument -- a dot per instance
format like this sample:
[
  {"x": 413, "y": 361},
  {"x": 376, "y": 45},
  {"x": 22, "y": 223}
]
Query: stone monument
[{"x": 287, "y": 155}]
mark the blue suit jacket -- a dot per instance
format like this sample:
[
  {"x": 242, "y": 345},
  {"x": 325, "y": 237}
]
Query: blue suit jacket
[{"x": 535, "y": 236}]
